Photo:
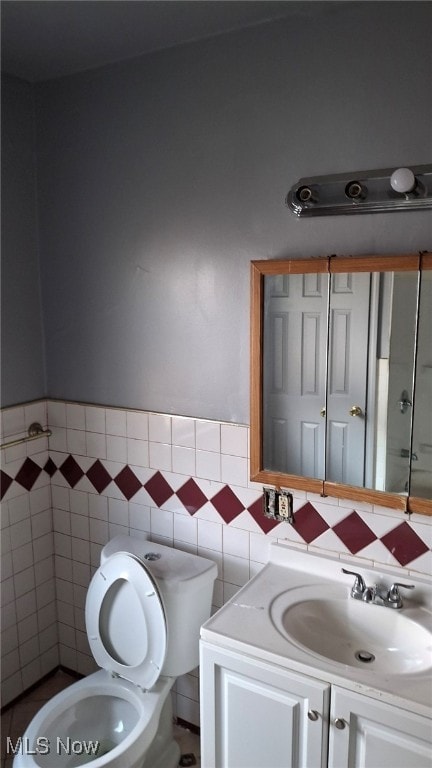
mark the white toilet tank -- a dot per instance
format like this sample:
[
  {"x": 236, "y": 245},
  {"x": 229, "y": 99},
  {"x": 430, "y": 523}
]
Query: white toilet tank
[{"x": 185, "y": 582}]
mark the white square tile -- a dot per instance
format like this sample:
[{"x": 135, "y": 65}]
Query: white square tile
[
  {"x": 234, "y": 470},
  {"x": 185, "y": 529},
  {"x": 118, "y": 511},
  {"x": 40, "y": 499},
  {"x": 96, "y": 445},
  {"x": 139, "y": 517},
  {"x": 76, "y": 441},
  {"x": 63, "y": 568},
  {"x": 234, "y": 440},
  {"x": 41, "y": 524},
  {"x": 75, "y": 416},
  {"x": 183, "y": 460},
  {"x": 61, "y": 521},
  {"x": 208, "y": 437},
  {"x": 160, "y": 456},
  {"x": 162, "y": 523},
  {"x": 60, "y": 497},
  {"x": 24, "y": 581},
  {"x": 115, "y": 420},
  {"x": 27, "y": 628},
  {"x": 235, "y": 570},
  {"x": 20, "y": 533},
  {"x": 98, "y": 531},
  {"x": 116, "y": 449},
  {"x": 62, "y": 545},
  {"x": 56, "y": 413},
  {"x": 137, "y": 425},
  {"x": 138, "y": 452},
  {"x": 210, "y": 535},
  {"x": 98, "y": 507},
  {"x": 22, "y": 557},
  {"x": 235, "y": 541},
  {"x": 44, "y": 570},
  {"x": 80, "y": 551},
  {"x": 159, "y": 428},
  {"x": 95, "y": 419},
  {"x": 80, "y": 526},
  {"x": 183, "y": 431},
  {"x": 19, "y": 508},
  {"x": 13, "y": 420},
  {"x": 25, "y": 605},
  {"x": 208, "y": 465}
]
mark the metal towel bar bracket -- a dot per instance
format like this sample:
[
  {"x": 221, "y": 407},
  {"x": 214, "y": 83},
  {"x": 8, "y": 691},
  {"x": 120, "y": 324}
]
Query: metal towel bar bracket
[{"x": 34, "y": 431}]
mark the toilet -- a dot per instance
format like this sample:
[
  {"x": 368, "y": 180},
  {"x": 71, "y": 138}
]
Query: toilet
[{"x": 144, "y": 608}]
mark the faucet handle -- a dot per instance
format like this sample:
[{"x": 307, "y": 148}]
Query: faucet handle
[
  {"x": 394, "y": 597},
  {"x": 359, "y": 585}
]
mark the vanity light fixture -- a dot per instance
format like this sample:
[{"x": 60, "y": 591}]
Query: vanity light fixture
[{"x": 388, "y": 189}]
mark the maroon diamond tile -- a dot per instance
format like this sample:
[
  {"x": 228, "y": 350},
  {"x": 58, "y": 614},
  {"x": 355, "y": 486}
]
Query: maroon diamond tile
[
  {"x": 159, "y": 489},
  {"x": 5, "y": 482},
  {"x": 404, "y": 544},
  {"x": 50, "y": 468},
  {"x": 128, "y": 482},
  {"x": 257, "y": 511},
  {"x": 98, "y": 476},
  {"x": 71, "y": 471},
  {"x": 354, "y": 533},
  {"x": 227, "y": 504},
  {"x": 309, "y": 523},
  {"x": 28, "y": 474},
  {"x": 191, "y": 496}
]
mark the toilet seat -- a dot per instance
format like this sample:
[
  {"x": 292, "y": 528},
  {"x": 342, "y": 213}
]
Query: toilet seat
[{"x": 125, "y": 620}]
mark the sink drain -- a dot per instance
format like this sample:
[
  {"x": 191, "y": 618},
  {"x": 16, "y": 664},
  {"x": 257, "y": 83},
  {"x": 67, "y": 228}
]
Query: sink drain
[{"x": 364, "y": 656}]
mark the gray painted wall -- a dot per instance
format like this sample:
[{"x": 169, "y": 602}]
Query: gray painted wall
[
  {"x": 160, "y": 178},
  {"x": 22, "y": 358}
]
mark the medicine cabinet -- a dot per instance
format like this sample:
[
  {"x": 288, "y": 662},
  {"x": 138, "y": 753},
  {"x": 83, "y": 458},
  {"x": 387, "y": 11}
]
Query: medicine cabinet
[{"x": 341, "y": 377}]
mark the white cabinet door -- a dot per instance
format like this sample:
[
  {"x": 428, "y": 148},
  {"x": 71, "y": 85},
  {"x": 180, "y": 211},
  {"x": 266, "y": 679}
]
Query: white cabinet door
[
  {"x": 257, "y": 715},
  {"x": 376, "y": 735}
]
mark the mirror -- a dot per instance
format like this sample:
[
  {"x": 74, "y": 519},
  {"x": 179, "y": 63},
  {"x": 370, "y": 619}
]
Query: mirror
[
  {"x": 421, "y": 451},
  {"x": 333, "y": 366}
]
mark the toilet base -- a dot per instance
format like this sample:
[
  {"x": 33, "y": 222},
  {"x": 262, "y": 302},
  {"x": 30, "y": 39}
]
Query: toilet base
[{"x": 163, "y": 752}]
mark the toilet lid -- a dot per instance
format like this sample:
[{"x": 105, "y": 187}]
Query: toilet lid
[{"x": 125, "y": 620}]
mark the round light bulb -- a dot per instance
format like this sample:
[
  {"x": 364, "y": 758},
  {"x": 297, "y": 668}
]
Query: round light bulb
[{"x": 402, "y": 180}]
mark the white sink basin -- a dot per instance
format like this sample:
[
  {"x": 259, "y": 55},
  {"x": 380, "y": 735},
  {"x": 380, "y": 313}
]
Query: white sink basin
[{"x": 330, "y": 624}]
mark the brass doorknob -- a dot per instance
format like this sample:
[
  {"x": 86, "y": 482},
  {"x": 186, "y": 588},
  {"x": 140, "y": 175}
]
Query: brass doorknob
[{"x": 355, "y": 410}]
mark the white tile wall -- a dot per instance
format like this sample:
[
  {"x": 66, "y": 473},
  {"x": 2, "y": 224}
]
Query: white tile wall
[
  {"x": 29, "y": 639},
  {"x": 52, "y": 536}
]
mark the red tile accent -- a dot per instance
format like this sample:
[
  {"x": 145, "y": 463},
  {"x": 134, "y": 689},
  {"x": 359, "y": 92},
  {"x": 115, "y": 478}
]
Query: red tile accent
[
  {"x": 28, "y": 474},
  {"x": 71, "y": 471},
  {"x": 404, "y": 544},
  {"x": 227, "y": 504},
  {"x": 309, "y": 523},
  {"x": 98, "y": 476},
  {"x": 50, "y": 468},
  {"x": 257, "y": 511},
  {"x": 5, "y": 482},
  {"x": 128, "y": 482},
  {"x": 159, "y": 489},
  {"x": 191, "y": 496},
  {"x": 354, "y": 533}
]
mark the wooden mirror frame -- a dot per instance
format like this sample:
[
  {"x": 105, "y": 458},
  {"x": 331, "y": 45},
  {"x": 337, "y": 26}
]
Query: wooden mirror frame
[{"x": 331, "y": 265}]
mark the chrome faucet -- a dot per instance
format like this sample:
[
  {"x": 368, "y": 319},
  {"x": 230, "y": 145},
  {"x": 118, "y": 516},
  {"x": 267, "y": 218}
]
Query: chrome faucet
[{"x": 377, "y": 595}]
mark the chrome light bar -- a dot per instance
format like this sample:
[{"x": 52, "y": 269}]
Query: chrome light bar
[{"x": 388, "y": 189}]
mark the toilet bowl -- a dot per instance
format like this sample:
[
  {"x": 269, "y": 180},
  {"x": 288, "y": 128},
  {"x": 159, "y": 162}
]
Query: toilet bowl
[{"x": 144, "y": 608}]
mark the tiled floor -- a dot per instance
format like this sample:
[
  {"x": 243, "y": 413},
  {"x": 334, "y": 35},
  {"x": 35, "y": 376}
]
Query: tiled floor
[{"x": 15, "y": 720}]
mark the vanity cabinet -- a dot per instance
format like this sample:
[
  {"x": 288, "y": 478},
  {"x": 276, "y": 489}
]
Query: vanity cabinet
[
  {"x": 255, "y": 715},
  {"x": 373, "y": 734},
  {"x": 258, "y": 715}
]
